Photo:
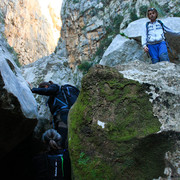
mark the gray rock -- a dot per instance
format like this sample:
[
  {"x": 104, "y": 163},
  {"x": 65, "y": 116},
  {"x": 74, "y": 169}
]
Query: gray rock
[
  {"x": 56, "y": 69},
  {"x": 164, "y": 80},
  {"x": 122, "y": 51}
]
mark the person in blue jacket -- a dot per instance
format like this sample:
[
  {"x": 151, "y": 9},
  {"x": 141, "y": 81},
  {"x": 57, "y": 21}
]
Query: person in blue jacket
[{"x": 57, "y": 104}]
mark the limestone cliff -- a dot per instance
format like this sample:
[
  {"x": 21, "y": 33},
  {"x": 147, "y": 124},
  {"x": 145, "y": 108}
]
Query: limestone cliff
[
  {"x": 89, "y": 26},
  {"x": 32, "y": 28}
]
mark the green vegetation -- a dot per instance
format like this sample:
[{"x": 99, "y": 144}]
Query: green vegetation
[
  {"x": 111, "y": 31},
  {"x": 16, "y": 55},
  {"x": 133, "y": 15},
  {"x": 177, "y": 14},
  {"x": 85, "y": 66},
  {"x": 143, "y": 11},
  {"x": 162, "y": 10}
]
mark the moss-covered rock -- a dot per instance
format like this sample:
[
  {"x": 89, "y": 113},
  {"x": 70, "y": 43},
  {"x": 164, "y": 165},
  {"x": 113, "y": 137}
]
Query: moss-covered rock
[{"x": 112, "y": 130}]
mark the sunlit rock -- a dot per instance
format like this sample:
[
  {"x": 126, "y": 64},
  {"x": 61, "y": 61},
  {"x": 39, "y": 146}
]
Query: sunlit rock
[{"x": 32, "y": 27}]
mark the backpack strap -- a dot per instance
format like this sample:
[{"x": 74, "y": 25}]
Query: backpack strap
[
  {"x": 147, "y": 28},
  {"x": 62, "y": 89},
  {"x": 62, "y": 165},
  {"x": 55, "y": 165},
  {"x": 164, "y": 31},
  {"x": 162, "y": 25},
  {"x": 64, "y": 103}
]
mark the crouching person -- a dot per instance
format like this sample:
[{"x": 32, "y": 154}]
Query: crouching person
[
  {"x": 55, "y": 163},
  {"x": 61, "y": 98}
]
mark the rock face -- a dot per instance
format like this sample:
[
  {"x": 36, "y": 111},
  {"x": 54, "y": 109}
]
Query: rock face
[
  {"x": 31, "y": 27},
  {"x": 56, "y": 69},
  {"x": 163, "y": 82},
  {"x": 122, "y": 51},
  {"x": 111, "y": 129},
  {"x": 18, "y": 107},
  {"x": 164, "y": 79},
  {"x": 89, "y": 26}
]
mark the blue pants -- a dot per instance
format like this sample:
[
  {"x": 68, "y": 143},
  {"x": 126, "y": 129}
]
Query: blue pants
[{"x": 158, "y": 52}]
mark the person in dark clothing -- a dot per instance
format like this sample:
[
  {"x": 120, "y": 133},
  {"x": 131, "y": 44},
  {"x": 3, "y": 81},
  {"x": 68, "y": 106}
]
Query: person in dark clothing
[
  {"x": 58, "y": 105},
  {"x": 55, "y": 163}
]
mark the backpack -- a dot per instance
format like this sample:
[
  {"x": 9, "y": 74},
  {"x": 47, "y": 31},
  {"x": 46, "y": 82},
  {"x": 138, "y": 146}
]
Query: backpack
[
  {"x": 71, "y": 94},
  {"x": 55, "y": 166}
]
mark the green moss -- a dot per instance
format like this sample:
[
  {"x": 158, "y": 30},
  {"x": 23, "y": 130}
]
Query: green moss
[{"x": 120, "y": 150}]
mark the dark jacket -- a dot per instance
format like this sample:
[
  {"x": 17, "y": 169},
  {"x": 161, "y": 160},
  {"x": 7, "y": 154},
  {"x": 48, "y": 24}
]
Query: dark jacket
[
  {"x": 57, "y": 101},
  {"x": 43, "y": 169}
]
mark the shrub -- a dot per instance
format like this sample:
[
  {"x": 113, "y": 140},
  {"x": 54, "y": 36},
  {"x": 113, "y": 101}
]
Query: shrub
[{"x": 85, "y": 66}]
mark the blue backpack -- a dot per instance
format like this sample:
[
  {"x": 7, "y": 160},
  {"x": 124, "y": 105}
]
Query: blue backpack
[
  {"x": 66, "y": 96},
  {"x": 71, "y": 94}
]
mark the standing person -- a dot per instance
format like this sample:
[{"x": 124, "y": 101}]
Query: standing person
[
  {"x": 55, "y": 163},
  {"x": 59, "y": 104},
  {"x": 153, "y": 38}
]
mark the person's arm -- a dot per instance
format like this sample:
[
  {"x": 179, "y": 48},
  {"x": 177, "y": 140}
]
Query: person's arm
[
  {"x": 144, "y": 39},
  {"x": 52, "y": 90},
  {"x": 170, "y": 31}
]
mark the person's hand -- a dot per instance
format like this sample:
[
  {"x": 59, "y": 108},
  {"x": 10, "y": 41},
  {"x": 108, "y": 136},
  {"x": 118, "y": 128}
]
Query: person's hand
[
  {"x": 30, "y": 85},
  {"x": 146, "y": 49}
]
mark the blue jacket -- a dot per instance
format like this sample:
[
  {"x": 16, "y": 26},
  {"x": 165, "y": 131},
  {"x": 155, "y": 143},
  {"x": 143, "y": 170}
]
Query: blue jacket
[{"x": 57, "y": 101}]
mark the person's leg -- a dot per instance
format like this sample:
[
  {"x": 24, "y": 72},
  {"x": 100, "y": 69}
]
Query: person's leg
[
  {"x": 60, "y": 124},
  {"x": 153, "y": 52},
  {"x": 163, "y": 52}
]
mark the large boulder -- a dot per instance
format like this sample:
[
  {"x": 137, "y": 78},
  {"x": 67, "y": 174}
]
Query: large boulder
[
  {"x": 164, "y": 80},
  {"x": 113, "y": 131},
  {"x": 135, "y": 31},
  {"x": 123, "y": 50},
  {"x": 18, "y": 107}
]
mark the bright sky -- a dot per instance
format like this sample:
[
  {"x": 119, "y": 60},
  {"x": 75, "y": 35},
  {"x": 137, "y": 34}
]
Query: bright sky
[{"x": 55, "y": 4}]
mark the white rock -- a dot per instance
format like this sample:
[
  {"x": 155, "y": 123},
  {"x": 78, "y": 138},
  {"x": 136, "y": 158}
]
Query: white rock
[
  {"x": 163, "y": 79},
  {"x": 15, "y": 83},
  {"x": 121, "y": 51}
]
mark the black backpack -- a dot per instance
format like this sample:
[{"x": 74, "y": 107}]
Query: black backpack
[
  {"x": 48, "y": 166},
  {"x": 71, "y": 94},
  {"x": 56, "y": 166}
]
